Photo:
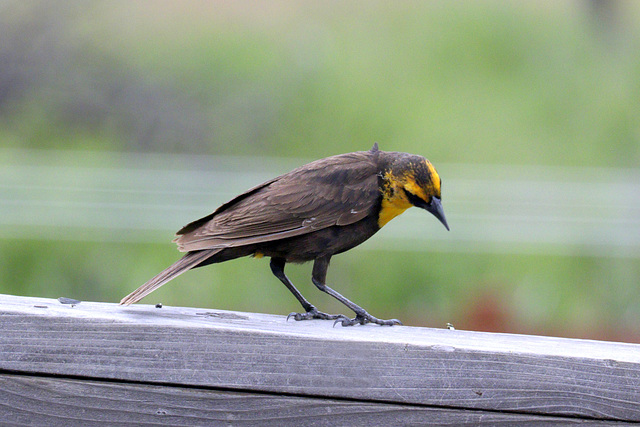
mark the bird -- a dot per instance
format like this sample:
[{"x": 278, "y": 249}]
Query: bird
[{"x": 318, "y": 210}]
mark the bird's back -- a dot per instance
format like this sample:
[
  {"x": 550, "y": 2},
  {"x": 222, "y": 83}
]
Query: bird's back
[{"x": 338, "y": 190}]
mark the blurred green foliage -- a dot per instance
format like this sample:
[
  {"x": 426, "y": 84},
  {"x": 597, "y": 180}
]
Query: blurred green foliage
[{"x": 535, "y": 83}]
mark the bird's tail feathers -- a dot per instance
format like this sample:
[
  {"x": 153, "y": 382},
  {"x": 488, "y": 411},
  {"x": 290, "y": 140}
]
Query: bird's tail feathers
[{"x": 187, "y": 262}]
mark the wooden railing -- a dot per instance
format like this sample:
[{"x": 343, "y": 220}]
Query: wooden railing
[{"x": 89, "y": 362}]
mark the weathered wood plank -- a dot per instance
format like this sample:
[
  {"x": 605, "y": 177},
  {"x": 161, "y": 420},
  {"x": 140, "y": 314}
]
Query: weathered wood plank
[
  {"x": 265, "y": 353},
  {"x": 67, "y": 402}
]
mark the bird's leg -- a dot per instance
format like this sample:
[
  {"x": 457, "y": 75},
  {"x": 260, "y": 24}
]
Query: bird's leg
[
  {"x": 311, "y": 312},
  {"x": 319, "y": 276}
]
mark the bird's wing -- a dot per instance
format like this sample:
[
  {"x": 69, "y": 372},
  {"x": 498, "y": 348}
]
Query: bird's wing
[{"x": 338, "y": 190}]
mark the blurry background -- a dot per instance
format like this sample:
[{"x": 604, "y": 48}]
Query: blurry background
[{"x": 122, "y": 121}]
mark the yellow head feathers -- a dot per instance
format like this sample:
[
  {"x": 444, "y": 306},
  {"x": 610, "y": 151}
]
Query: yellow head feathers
[{"x": 411, "y": 181}]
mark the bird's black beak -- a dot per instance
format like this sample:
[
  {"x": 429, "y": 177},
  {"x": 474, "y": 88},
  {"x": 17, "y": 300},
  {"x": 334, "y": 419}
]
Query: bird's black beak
[{"x": 435, "y": 207}]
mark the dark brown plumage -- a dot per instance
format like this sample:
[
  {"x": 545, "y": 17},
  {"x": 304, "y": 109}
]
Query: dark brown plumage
[{"x": 309, "y": 214}]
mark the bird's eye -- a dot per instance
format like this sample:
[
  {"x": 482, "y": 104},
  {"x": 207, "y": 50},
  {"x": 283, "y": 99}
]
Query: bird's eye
[{"x": 415, "y": 200}]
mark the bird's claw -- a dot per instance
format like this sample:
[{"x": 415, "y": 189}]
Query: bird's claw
[
  {"x": 315, "y": 314},
  {"x": 364, "y": 318}
]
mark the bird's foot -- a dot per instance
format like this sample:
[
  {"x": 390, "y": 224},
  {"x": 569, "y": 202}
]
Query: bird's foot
[
  {"x": 364, "y": 318},
  {"x": 315, "y": 314}
]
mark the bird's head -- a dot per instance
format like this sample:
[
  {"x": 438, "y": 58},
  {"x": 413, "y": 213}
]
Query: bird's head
[{"x": 411, "y": 181}]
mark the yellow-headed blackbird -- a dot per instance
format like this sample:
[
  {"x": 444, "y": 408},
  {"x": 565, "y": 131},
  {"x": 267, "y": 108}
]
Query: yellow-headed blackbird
[{"x": 309, "y": 214}]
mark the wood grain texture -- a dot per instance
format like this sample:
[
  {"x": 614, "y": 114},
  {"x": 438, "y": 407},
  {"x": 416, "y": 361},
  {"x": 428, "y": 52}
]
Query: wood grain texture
[
  {"x": 265, "y": 353},
  {"x": 68, "y": 402}
]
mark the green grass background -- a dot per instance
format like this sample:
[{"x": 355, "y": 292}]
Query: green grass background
[{"x": 476, "y": 82}]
